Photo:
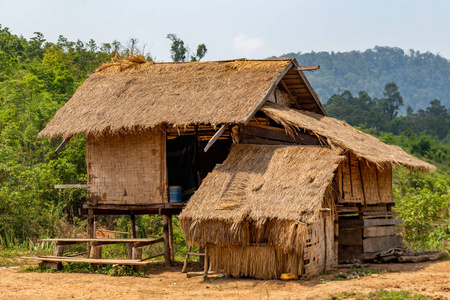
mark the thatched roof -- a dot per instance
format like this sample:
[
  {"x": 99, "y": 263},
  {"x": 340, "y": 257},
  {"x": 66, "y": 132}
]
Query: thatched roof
[
  {"x": 260, "y": 182},
  {"x": 130, "y": 95},
  {"x": 340, "y": 134}
]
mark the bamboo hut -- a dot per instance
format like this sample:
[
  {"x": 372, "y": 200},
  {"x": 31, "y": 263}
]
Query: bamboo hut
[{"x": 272, "y": 184}]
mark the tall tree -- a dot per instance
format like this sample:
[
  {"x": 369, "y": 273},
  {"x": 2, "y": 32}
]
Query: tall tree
[
  {"x": 177, "y": 49},
  {"x": 392, "y": 100},
  {"x": 180, "y": 52},
  {"x": 201, "y": 52}
]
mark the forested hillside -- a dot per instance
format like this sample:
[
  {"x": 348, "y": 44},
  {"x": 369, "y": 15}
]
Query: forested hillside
[
  {"x": 421, "y": 77},
  {"x": 37, "y": 77}
]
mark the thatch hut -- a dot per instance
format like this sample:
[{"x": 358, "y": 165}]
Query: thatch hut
[{"x": 268, "y": 195}]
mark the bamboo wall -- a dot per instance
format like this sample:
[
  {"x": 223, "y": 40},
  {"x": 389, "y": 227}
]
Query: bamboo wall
[
  {"x": 362, "y": 182},
  {"x": 265, "y": 261},
  {"x": 126, "y": 169}
]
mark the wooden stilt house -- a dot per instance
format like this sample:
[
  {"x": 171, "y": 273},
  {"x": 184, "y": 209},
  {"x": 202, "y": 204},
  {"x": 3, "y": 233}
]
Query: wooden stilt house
[{"x": 272, "y": 184}]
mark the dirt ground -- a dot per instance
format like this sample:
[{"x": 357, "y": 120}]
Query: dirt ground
[{"x": 429, "y": 278}]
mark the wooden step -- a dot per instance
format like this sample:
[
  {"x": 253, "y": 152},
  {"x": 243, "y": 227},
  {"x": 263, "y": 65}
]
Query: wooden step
[
  {"x": 133, "y": 262},
  {"x": 139, "y": 242},
  {"x": 195, "y": 254}
]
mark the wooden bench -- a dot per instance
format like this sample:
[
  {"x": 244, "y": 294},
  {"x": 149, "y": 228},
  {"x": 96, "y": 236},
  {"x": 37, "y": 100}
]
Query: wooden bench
[{"x": 95, "y": 244}]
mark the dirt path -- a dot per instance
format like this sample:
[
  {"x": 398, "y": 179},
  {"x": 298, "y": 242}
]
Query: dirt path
[{"x": 430, "y": 278}]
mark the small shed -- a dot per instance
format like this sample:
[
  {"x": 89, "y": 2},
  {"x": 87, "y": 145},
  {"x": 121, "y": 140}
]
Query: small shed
[
  {"x": 276, "y": 209},
  {"x": 271, "y": 183}
]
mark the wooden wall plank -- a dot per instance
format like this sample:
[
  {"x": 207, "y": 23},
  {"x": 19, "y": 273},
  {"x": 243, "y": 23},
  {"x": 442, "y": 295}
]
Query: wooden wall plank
[
  {"x": 381, "y": 231},
  {"x": 370, "y": 182},
  {"x": 357, "y": 189},
  {"x": 381, "y": 243},
  {"x": 346, "y": 180},
  {"x": 385, "y": 185},
  {"x": 381, "y": 222}
]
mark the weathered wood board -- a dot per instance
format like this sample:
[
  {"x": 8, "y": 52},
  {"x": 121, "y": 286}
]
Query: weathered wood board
[
  {"x": 381, "y": 231},
  {"x": 381, "y": 222},
  {"x": 381, "y": 243}
]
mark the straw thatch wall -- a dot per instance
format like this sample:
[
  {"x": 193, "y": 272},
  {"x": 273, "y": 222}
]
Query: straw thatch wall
[
  {"x": 269, "y": 192},
  {"x": 265, "y": 261},
  {"x": 126, "y": 168},
  {"x": 340, "y": 134},
  {"x": 128, "y": 95}
]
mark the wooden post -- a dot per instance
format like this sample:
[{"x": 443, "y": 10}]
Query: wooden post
[
  {"x": 90, "y": 228},
  {"x": 206, "y": 262},
  {"x": 202, "y": 261},
  {"x": 172, "y": 250},
  {"x": 166, "y": 236},
  {"x": 137, "y": 253},
  {"x": 58, "y": 250},
  {"x": 186, "y": 260},
  {"x": 133, "y": 235}
]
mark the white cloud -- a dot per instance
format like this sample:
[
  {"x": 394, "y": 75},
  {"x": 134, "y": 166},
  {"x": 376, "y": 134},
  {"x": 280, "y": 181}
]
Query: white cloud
[{"x": 246, "y": 46}]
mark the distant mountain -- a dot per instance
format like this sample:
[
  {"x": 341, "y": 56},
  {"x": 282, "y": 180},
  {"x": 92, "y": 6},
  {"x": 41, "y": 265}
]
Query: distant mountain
[{"x": 421, "y": 77}]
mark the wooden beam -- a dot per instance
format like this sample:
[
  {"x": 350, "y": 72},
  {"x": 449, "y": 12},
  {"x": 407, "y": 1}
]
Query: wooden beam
[
  {"x": 215, "y": 137},
  {"x": 279, "y": 134},
  {"x": 381, "y": 243},
  {"x": 147, "y": 243},
  {"x": 275, "y": 84},
  {"x": 101, "y": 241},
  {"x": 133, "y": 235},
  {"x": 71, "y": 186},
  {"x": 310, "y": 88},
  {"x": 381, "y": 222},
  {"x": 382, "y": 231},
  {"x": 90, "y": 229},
  {"x": 172, "y": 249},
  {"x": 63, "y": 143},
  {"x": 254, "y": 140},
  {"x": 153, "y": 256},
  {"x": 308, "y": 68},
  {"x": 90, "y": 260},
  {"x": 167, "y": 256}
]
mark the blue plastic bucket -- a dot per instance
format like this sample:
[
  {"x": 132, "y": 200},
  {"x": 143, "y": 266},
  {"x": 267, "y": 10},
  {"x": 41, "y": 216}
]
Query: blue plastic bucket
[{"x": 175, "y": 194}]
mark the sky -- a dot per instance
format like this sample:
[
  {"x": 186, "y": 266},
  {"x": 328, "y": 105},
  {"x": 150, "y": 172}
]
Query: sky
[{"x": 236, "y": 29}]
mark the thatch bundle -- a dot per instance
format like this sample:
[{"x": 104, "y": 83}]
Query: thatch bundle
[
  {"x": 263, "y": 262},
  {"x": 128, "y": 95},
  {"x": 341, "y": 135},
  {"x": 261, "y": 194}
]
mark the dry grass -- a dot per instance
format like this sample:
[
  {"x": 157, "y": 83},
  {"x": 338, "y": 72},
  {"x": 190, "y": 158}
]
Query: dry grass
[
  {"x": 339, "y": 134},
  {"x": 132, "y": 94},
  {"x": 261, "y": 194}
]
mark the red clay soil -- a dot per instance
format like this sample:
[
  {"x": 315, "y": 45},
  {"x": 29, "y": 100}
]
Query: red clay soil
[{"x": 429, "y": 278}]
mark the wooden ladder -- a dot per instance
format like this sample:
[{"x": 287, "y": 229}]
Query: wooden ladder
[{"x": 188, "y": 253}]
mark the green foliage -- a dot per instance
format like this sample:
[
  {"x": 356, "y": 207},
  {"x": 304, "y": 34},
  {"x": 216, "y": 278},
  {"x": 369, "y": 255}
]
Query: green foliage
[
  {"x": 201, "y": 52},
  {"x": 422, "y": 200},
  {"x": 425, "y": 215},
  {"x": 394, "y": 295},
  {"x": 344, "y": 295},
  {"x": 177, "y": 49},
  {"x": 381, "y": 113},
  {"x": 87, "y": 268},
  {"x": 36, "y": 79},
  {"x": 180, "y": 52},
  {"x": 420, "y": 77}
]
